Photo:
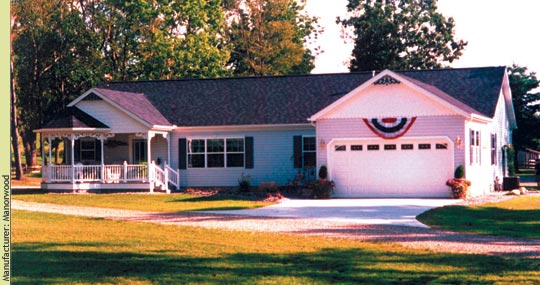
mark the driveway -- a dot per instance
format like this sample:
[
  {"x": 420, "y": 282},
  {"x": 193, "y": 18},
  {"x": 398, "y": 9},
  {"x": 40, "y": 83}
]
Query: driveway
[{"x": 400, "y": 212}]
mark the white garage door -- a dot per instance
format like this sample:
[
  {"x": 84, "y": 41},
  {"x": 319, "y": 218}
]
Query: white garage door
[{"x": 397, "y": 168}]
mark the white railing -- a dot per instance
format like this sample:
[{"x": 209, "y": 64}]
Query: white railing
[
  {"x": 173, "y": 176},
  {"x": 95, "y": 173},
  {"x": 58, "y": 173},
  {"x": 87, "y": 173}
]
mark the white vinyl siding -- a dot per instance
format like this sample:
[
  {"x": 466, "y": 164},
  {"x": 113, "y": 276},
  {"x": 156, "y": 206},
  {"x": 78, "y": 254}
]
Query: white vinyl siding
[{"x": 116, "y": 119}]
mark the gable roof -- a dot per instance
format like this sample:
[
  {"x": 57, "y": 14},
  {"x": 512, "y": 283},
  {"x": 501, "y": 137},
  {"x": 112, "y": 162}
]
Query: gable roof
[
  {"x": 134, "y": 104},
  {"x": 293, "y": 99},
  {"x": 73, "y": 118}
]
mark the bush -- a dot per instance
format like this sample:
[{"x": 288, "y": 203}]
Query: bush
[
  {"x": 322, "y": 188},
  {"x": 244, "y": 183},
  {"x": 323, "y": 172},
  {"x": 459, "y": 172}
]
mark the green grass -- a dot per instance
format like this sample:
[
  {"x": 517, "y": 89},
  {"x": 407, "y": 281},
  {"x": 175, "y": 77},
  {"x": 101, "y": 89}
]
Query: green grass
[
  {"x": 145, "y": 202},
  {"x": 518, "y": 217},
  {"x": 58, "y": 249}
]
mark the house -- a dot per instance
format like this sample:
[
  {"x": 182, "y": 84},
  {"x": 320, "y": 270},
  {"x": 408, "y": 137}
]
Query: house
[{"x": 391, "y": 134}]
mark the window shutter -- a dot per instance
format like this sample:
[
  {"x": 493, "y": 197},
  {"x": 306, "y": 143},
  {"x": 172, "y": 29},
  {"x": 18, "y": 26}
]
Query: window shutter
[
  {"x": 249, "y": 152},
  {"x": 182, "y": 153},
  {"x": 297, "y": 147},
  {"x": 77, "y": 150}
]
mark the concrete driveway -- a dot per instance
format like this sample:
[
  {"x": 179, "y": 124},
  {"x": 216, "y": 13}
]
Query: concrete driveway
[{"x": 401, "y": 212}]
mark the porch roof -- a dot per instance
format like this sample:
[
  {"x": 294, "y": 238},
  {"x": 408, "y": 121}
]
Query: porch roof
[{"x": 72, "y": 118}]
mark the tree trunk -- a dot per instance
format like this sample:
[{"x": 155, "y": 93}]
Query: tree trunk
[
  {"x": 30, "y": 149},
  {"x": 14, "y": 126}
]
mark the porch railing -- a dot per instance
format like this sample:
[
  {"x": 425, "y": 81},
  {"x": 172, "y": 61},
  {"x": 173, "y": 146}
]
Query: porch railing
[{"x": 95, "y": 173}]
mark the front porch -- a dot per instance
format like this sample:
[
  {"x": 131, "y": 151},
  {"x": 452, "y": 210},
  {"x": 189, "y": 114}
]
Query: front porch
[{"x": 112, "y": 177}]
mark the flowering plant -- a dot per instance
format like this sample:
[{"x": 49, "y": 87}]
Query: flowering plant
[{"x": 459, "y": 186}]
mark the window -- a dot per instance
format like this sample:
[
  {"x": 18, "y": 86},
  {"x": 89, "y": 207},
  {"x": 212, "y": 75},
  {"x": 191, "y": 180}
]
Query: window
[
  {"x": 356, "y": 147},
  {"x": 493, "y": 149},
  {"x": 407, "y": 146},
  {"x": 216, "y": 153},
  {"x": 441, "y": 146},
  {"x": 88, "y": 149},
  {"x": 373, "y": 147},
  {"x": 309, "y": 151},
  {"x": 389, "y": 147},
  {"x": 424, "y": 146},
  {"x": 341, "y": 147},
  {"x": 474, "y": 153}
]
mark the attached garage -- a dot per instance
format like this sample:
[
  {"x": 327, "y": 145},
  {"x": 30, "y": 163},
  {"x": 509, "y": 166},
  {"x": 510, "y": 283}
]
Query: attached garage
[{"x": 374, "y": 167}]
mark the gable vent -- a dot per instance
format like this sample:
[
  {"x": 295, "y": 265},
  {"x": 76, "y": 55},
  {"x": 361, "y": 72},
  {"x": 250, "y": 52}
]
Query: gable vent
[
  {"x": 92, "y": 97},
  {"x": 386, "y": 80}
]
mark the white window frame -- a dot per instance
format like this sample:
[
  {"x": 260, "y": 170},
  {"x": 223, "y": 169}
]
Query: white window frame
[
  {"x": 475, "y": 153},
  {"x": 225, "y": 152}
]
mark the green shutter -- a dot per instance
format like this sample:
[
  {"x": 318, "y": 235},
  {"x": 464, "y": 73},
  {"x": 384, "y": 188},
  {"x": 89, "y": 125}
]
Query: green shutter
[
  {"x": 249, "y": 152},
  {"x": 182, "y": 153},
  {"x": 297, "y": 148}
]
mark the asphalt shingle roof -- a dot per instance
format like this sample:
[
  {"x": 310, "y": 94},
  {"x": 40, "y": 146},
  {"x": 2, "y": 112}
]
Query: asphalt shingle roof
[
  {"x": 74, "y": 118},
  {"x": 288, "y": 99}
]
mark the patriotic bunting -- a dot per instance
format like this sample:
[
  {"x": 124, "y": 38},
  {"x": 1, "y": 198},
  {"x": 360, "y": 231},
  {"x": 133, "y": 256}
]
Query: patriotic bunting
[{"x": 390, "y": 128}]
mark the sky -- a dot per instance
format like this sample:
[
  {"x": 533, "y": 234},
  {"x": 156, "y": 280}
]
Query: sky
[{"x": 498, "y": 33}]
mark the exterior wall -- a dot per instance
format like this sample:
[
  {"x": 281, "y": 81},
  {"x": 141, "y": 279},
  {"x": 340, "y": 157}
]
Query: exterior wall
[
  {"x": 273, "y": 158},
  {"x": 159, "y": 147},
  {"x": 118, "y": 121},
  {"x": 117, "y": 154},
  {"x": 483, "y": 175},
  {"x": 446, "y": 126}
]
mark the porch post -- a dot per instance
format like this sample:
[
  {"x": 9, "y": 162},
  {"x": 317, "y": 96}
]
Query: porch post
[
  {"x": 72, "y": 137},
  {"x": 102, "y": 159},
  {"x": 168, "y": 137},
  {"x": 149, "y": 160},
  {"x": 49, "y": 141}
]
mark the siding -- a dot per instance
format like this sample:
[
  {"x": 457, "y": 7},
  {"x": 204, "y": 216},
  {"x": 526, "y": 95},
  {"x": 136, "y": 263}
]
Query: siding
[
  {"x": 273, "y": 153},
  {"x": 117, "y": 120},
  {"x": 447, "y": 126}
]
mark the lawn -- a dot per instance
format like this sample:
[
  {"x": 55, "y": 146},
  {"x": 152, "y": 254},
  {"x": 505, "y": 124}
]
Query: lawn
[
  {"x": 145, "y": 202},
  {"x": 519, "y": 217},
  {"x": 58, "y": 249}
]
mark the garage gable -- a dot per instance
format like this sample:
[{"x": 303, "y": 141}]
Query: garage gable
[{"x": 390, "y": 94}]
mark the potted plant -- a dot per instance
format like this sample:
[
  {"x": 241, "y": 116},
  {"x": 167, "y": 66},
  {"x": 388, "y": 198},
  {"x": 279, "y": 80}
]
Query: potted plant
[{"x": 459, "y": 185}]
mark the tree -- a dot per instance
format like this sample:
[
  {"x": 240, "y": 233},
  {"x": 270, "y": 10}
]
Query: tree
[
  {"x": 526, "y": 106},
  {"x": 159, "y": 39},
  {"x": 400, "y": 34},
  {"x": 267, "y": 37},
  {"x": 14, "y": 126},
  {"x": 54, "y": 61}
]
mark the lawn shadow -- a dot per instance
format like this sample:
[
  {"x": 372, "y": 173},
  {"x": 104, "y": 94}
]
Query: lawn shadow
[{"x": 45, "y": 263}]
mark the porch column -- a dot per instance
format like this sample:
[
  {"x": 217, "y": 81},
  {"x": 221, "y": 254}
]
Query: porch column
[
  {"x": 168, "y": 137},
  {"x": 102, "y": 159},
  {"x": 149, "y": 137},
  {"x": 72, "y": 138},
  {"x": 49, "y": 141}
]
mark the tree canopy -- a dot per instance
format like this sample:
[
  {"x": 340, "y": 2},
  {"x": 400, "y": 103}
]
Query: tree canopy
[
  {"x": 267, "y": 37},
  {"x": 526, "y": 106},
  {"x": 399, "y": 35}
]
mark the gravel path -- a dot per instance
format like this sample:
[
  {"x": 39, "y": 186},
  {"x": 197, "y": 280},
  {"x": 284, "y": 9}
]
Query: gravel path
[{"x": 439, "y": 241}]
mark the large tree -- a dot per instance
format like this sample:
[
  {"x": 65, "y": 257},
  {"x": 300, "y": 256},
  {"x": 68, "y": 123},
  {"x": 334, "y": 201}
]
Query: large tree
[
  {"x": 267, "y": 37},
  {"x": 400, "y": 34},
  {"x": 526, "y": 106},
  {"x": 54, "y": 61}
]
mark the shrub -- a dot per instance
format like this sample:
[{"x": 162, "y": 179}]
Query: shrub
[
  {"x": 459, "y": 173},
  {"x": 322, "y": 188},
  {"x": 244, "y": 183},
  {"x": 323, "y": 172},
  {"x": 460, "y": 187}
]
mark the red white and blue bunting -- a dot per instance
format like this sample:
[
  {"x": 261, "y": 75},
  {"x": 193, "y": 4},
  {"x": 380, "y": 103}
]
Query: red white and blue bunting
[{"x": 390, "y": 128}]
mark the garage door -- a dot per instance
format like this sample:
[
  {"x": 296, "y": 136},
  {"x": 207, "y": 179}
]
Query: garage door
[{"x": 384, "y": 168}]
